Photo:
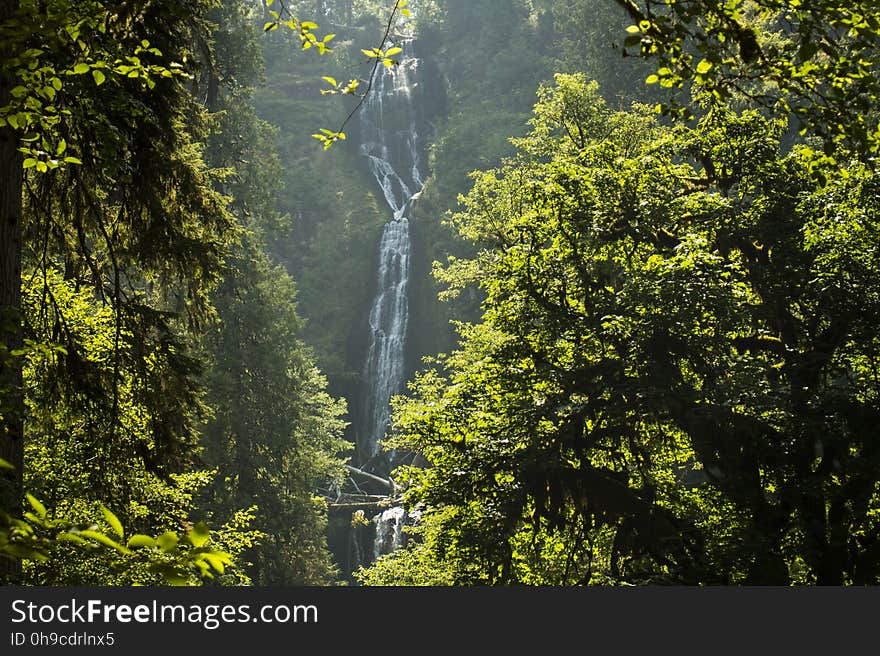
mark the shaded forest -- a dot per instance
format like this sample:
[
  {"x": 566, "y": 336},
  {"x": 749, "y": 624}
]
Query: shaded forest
[{"x": 634, "y": 289}]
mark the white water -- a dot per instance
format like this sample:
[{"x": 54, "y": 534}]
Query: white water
[
  {"x": 389, "y": 531},
  {"x": 390, "y": 143}
]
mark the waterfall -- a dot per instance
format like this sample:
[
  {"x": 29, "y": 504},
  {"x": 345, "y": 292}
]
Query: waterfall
[
  {"x": 389, "y": 531},
  {"x": 390, "y": 143}
]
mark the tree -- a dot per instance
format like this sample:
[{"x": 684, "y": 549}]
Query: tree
[
  {"x": 11, "y": 419},
  {"x": 273, "y": 436},
  {"x": 119, "y": 235},
  {"x": 122, "y": 235},
  {"x": 815, "y": 61},
  {"x": 169, "y": 558},
  {"x": 674, "y": 375}
]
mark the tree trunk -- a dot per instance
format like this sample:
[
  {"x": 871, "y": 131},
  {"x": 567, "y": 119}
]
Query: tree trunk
[
  {"x": 11, "y": 400},
  {"x": 371, "y": 477}
]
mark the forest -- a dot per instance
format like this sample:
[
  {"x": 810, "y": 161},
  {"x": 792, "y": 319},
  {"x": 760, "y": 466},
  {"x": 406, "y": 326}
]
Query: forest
[{"x": 439, "y": 292}]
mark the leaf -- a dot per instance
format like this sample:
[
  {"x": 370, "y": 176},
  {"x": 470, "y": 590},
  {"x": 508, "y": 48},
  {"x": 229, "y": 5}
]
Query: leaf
[
  {"x": 28, "y": 163},
  {"x": 99, "y": 537},
  {"x": 330, "y": 80},
  {"x": 81, "y": 68},
  {"x": 140, "y": 540},
  {"x": 5, "y": 465},
  {"x": 218, "y": 560},
  {"x": 374, "y": 53},
  {"x": 270, "y": 26},
  {"x": 62, "y": 146},
  {"x": 172, "y": 575},
  {"x": 199, "y": 535},
  {"x": 71, "y": 537},
  {"x": 99, "y": 77},
  {"x": 113, "y": 520},
  {"x": 168, "y": 541},
  {"x": 36, "y": 505},
  {"x": 393, "y": 51},
  {"x": 704, "y": 67},
  {"x": 19, "y": 551},
  {"x": 73, "y": 160}
]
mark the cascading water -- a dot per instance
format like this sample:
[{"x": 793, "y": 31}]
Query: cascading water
[
  {"x": 391, "y": 145},
  {"x": 389, "y": 531}
]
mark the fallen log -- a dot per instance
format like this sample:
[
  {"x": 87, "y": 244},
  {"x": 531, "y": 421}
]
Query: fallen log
[
  {"x": 371, "y": 477},
  {"x": 368, "y": 505}
]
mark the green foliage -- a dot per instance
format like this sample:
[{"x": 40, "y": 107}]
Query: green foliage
[
  {"x": 482, "y": 96},
  {"x": 91, "y": 435},
  {"x": 815, "y": 61},
  {"x": 122, "y": 256},
  {"x": 91, "y": 438},
  {"x": 274, "y": 434},
  {"x": 673, "y": 379},
  {"x": 415, "y": 565},
  {"x": 305, "y": 31},
  {"x": 383, "y": 56},
  {"x": 325, "y": 240},
  {"x": 58, "y": 49},
  {"x": 171, "y": 559},
  {"x": 585, "y": 38}
]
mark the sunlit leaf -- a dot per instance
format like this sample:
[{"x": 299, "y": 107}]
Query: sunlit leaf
[
  {"x": 199, "y": 535},
  {"x": 168, "y": 541},
  {"x": 99, "y": 537},
  {"x": 36, "y": 505},
  {"x": 141, "y": 541},
  {"x": 113, "y": 520}
]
